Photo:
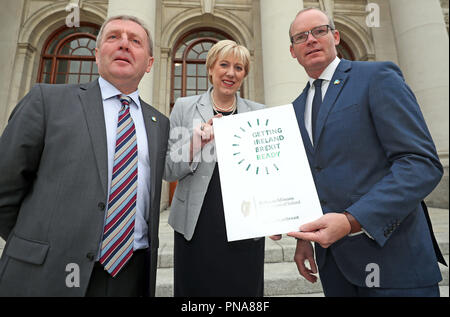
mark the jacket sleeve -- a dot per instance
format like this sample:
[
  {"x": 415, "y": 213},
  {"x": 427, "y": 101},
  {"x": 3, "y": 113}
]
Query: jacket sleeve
[
  {"x": 21, "y": 145},
  {"x": 178, "y": 150},
  {"x": 415, "y": 169}
]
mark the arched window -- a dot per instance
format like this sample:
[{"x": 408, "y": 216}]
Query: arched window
[
  {"x": 68, "y": 56},
  {"x": 344, "y": 51},
  {"x": 189, "y": 74}
]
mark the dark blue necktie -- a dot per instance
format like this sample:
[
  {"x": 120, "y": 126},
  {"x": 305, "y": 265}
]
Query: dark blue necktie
[{"x": 317, "y": 101}]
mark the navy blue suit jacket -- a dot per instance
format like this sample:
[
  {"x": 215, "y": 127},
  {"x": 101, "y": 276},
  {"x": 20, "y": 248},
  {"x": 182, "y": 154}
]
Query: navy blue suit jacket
[{"x": 374, "y": 157}]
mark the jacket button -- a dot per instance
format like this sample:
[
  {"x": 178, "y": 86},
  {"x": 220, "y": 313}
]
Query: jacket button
[
  {"x": 90, "y": 256},
  {"x": 101, "y": 206},
  {"x": 318, "y": 168},
  {"x": 323, "y": 202}
]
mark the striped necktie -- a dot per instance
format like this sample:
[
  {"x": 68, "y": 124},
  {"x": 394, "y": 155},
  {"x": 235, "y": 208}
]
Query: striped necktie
[{"x": 118, "y": 232}]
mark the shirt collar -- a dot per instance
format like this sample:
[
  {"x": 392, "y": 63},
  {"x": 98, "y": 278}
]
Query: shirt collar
[
  {"x": 108, "y": 91},
  {"x": 328, "y": 73}
]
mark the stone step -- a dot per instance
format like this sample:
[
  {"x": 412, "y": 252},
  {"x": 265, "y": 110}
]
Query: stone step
[
  {"x": 280, "y": 279},
  {"x": 284, "y": 249}
]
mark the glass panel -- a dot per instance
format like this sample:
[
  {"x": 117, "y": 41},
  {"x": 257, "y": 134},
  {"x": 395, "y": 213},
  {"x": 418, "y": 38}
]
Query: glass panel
[
  {"x": 45, "y": 78},
  {"x": 177, "y": 83},
  {"x": 47, "y": 65},
  {"x": 83, "y": 41},
  {"x": 62, "y": 66},
  {"x": 178, "y": 67},
  {"x": 191, "y": 69},
  {"x": 176, "y": 94},
  {"x": 91, "y": 44},
  {"x": 85, "y": 78},
  {"x": 191, "y": 83},
  {"x": 64, "y": 33},
  {"x": 60, "y": 79},
  {"x": 207, "y": 45},
  {"x": 82, "y": 52},
  {"x": 72, "y": 79},
  {"x": 94, "y": 76},
  {"x": 192, "y": 54},
  {"x": 180, "y": 51},
  {"x": 74, "y": 44},
  {"x": 94, "y": 68},
  {"x": 202, "y": 83},
  {"x": 201, "y": 70},
  {"x": 74, "y": 66},
  {"x": 203, "y": 55},
  {"x": 86, "y": 67},
  {"x": 191, "y": 93},
  {"x": 65, "y": 50}
]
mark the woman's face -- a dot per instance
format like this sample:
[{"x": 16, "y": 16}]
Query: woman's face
[{"x": 227, "y": 74}]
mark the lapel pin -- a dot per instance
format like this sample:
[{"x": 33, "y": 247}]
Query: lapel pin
[
  {"x": 154, "y": 119},
  {"x": 337, "y": 82}
]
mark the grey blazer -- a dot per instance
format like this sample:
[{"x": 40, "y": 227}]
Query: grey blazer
[
  {"x": 193, "y": 179},
  {"x": 53, "y": 188}
]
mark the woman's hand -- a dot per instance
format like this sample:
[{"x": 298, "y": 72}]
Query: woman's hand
[{"x": 202, "y": 135}]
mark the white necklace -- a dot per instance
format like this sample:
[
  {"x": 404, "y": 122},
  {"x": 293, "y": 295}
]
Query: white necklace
[{"x": 217, "y": 109}]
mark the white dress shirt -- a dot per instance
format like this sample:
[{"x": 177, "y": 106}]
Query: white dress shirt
[
  {"x": 326, "y": 75},
  {"x": 111, "y": 108}
]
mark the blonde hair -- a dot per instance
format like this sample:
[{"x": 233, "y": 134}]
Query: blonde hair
[{"x": 225, "y": 48}]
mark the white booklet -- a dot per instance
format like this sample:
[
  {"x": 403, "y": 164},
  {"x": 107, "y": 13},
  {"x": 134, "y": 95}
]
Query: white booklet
[{"x": 266, "y": 181}]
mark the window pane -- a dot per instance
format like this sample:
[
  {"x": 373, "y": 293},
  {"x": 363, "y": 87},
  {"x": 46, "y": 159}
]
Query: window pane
[
  {"x": 176, "y": 94},
  {"x": 191, "y": 69},
  {"x": 91, "y": 44},
  {"x": 207, "y": 45},
  {"x": 202, "y": 83},
  {"x": 72, "y": 79},
  {"x": 46, "y": 78},
  {"x": 62, "y": 66},
  {"x": 178, "y": 67},
  {"x": 191, "y": 83},
  {"x": 203, "y": 55},
  {"x": 177, "y": 83},
  {"x": 201, "y": 70},
  {"x": 180, "y": 51},
  {"x": 94, "y": 68},
  {"x": 60, "y": 79},
  {"x": 47, "y": 65},
  {"x": 83, "y": 41},
  {"x": 74, "y": 66},
  {"x": 192, "y": 54},
  {"x": 191, "y": 93},
  {"x": 81, "y": 51},
  {"x": 86, "y": 67},
  {"x": 85, "y": 78}
]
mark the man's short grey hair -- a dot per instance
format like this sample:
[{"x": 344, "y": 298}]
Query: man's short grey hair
[
  {"x": 126, "y": 18},
  {"x": 330, "y": 20}
]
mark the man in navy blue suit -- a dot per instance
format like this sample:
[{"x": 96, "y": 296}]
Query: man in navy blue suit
[{"x": 373, "y": 161}]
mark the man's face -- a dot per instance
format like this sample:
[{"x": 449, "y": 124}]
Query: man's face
[
  {"x": 123, "y": 56},
  {"x": 314, "y": 54}
]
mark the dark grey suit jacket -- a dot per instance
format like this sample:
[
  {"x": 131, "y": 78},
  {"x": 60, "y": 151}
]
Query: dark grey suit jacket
[{"x": 53, "y": 188}]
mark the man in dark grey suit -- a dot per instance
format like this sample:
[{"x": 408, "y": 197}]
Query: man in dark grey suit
[{"x": 56, "y": 175}]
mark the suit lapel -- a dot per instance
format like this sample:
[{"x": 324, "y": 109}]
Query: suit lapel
[
  {"x": 335, "y": 87},
  {"x": 299, "y": 108},
  {"x": 91, "y": 101},
  {"x": 153, "y": 140},
  {"x": 204, "y": 106}
]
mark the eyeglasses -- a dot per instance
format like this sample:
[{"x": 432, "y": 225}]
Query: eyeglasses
[{"x": 317, "y": 32}]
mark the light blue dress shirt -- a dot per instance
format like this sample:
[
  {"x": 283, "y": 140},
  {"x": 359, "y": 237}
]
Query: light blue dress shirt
[{"x": 111, "y": 107}]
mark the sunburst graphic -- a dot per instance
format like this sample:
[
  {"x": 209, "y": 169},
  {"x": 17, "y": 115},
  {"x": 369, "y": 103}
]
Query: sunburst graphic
[{"x": 259, "y": 168}]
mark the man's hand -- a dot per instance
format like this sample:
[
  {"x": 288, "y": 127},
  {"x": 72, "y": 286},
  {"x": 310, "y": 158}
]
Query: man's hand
[
  {"x": 305, "y": 251},
  {"x": 202, "y": 135},
  {"x": 326, "y": 230}
]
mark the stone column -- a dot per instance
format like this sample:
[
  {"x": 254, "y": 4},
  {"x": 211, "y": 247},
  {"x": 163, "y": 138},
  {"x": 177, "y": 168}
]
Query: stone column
[
  {"x": 10, "y": 23},
  {"x": 144, "y": 10},
  {"x": 284, "y": 77},
  {"x": 423, "y": 52}
]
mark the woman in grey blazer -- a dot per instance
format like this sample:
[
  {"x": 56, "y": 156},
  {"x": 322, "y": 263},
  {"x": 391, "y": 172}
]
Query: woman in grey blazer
[{"x": 205, "y": 264}]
